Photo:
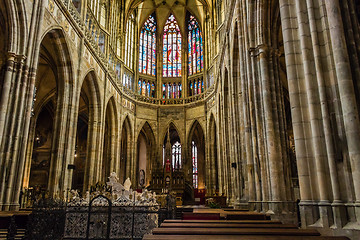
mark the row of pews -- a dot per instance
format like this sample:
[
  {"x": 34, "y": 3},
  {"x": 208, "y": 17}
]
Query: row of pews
[
  {"x": 236, "y": 225},
  {"x": 13, "y": 224}
]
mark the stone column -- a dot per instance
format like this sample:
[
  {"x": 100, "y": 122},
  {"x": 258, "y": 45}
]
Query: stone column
[
  {"x": 325, "y": 113},
  {"x": 271, "y": 138},
  {"x": 293, "y": 56},
  {"x": 347, "y": 94}
]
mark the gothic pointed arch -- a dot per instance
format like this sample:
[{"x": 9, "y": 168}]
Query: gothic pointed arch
[
  {"x": 110, "y": 152},
  {"x": 53, "y": 89},
  {"x": 13, "y": 15},
  {"x": 125, "y": 150},
  {"x": 146, "y": 154},
  {"x": 172, "y": 143},
  {"x": 212, "y": 173},
  {"x": 196, "y": 146},
  {"x": 88, "y": 137}
]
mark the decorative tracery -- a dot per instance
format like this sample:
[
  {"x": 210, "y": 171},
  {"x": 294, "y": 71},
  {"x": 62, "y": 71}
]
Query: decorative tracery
[
  {"x": 195, "y": 46},
  {"x": 171, "y": 48},
  {"x": 147, "y": 51}
]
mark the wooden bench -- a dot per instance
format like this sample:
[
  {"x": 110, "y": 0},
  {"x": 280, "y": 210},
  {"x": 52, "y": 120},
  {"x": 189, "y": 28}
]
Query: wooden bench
[
  {"x": 229, "y": 225},
  {"x": 224, "y": 221},
  {"x": 237, "y": 237},
  {"x": 200, "y": 216},
  {"x": 246, "y": 216},
  {"x": 235, "y": 231},
  {"x": 233, "y": 214}
]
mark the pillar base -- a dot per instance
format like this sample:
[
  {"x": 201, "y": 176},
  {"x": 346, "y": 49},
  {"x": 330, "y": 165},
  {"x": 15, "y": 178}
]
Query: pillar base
[{"x": 331, "y": 219}]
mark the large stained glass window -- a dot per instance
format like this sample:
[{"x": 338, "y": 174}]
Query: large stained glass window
[
  {"x": 176, "y": 155},
  {"x": 195, "y": 47},
  {"x": 147, "y": 50},
  {"x": 171, "y": 48},
  {"x": 194, "y": 164},
  {"x": 129, "y": 42}
]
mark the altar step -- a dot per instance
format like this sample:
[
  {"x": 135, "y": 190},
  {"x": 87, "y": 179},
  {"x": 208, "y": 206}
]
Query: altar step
[{"x": 240, "y": 226}]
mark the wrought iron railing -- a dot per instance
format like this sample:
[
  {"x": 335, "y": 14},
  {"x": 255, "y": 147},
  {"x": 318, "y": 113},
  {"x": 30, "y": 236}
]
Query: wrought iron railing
[{"x": 103, "y": 217}]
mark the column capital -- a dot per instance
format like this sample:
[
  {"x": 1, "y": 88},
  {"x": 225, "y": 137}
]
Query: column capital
[{"x": 259, "y": 50}]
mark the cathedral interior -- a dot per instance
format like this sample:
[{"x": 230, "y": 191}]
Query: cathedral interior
[{"x": 254, "y": 103}]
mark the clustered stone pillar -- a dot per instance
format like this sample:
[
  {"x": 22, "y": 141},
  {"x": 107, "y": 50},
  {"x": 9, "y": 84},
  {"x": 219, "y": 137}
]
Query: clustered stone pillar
[
  {"x": 17, "y": 94},
  {"x": 325, "y": 111}
]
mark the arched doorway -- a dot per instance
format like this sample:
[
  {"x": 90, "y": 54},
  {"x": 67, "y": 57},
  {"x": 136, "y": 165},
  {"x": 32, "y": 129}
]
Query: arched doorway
[
  {"x": 87, "y": 148},
  {"x": 42, "y": 156},
  {"x": 196, "y": 146},
  {"x": 110, "y": 141},
  {"x": 172, "y": 148},
  {"x": 125, "y": 154},
  {"x": 146, "y": 155},
  {"x": 213, "y": 186}
]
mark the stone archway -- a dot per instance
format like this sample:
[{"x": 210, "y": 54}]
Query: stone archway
[
  {"x": 45, "y": 147},
  {"x": 125, "y": 153},
  {"x": 196, "y": 150},
  {"x": 146, "y": 154},
  {"x": 213, "y": 176},
  {"x": 110, "y": 156},
  {"x": 88, "y": 138}
]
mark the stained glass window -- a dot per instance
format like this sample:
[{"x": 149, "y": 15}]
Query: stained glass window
[
  {"x": 103, "y": 16},
  {"x": 194, "y": 164},
  {"x": 146, "y": 88},
  {"x": 171, "y": 48},
  {"x": 129, "y": 42},
  {"x": 147, "y": 47},
  {"x": 176, "y": 155},
  {"x": 195, "y": 46},
  {"x": 127, "y": 81}
]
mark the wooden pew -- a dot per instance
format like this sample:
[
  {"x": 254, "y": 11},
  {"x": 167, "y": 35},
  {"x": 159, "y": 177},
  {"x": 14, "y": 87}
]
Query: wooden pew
[
  {"x": 224, "y": 221},
  {"x": 235, "y": 231},
  {"x": 237, "y": 237},
  {"x": 229, "y": 225},
  {"x": 233, "y": 214},
  {"x": 200, "y": 216}
]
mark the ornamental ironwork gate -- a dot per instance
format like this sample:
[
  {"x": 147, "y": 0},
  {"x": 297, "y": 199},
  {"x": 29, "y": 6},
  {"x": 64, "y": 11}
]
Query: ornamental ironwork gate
[
  {"x": 104, "y": 219},
  {"x": 99, "y": 218}
]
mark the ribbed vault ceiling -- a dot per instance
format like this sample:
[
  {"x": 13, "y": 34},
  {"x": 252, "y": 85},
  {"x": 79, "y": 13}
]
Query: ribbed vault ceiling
[{"x": 163, "y": 9}]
